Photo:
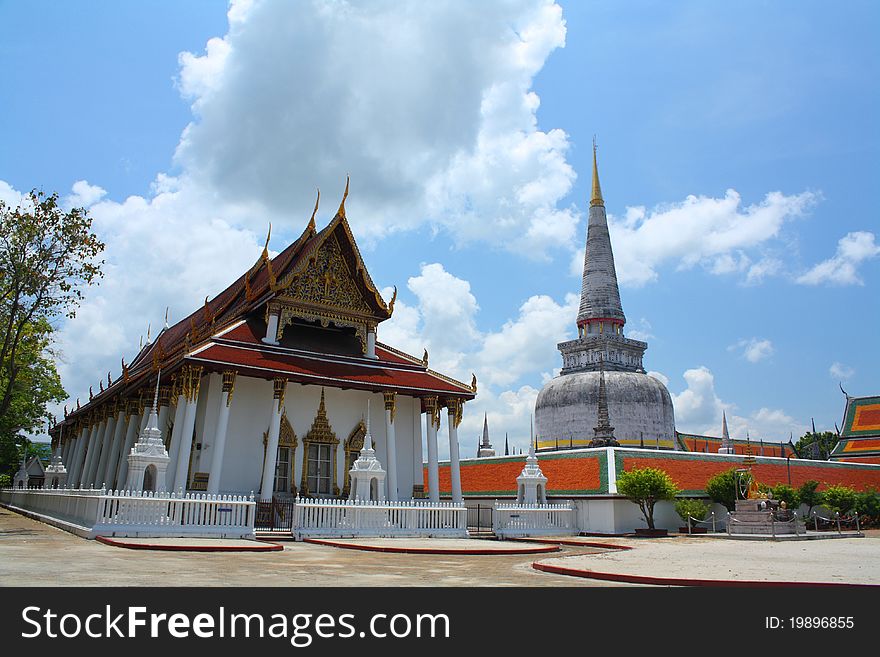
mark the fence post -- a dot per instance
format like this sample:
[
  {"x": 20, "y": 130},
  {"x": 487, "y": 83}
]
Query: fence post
[
  {"x": 837, "y": 518},
  {"x": 713, "y": 523},
  {"x": 816, "y": 520},
  {"x": 858, "y": 529},
  {"x": 689, "y": 524}
]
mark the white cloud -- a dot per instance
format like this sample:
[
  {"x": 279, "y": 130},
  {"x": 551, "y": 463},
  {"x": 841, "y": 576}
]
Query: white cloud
[
  {"x": 443, "y": 320},
  {"x": 754, "y": 350},
  {"x": 762, "y": 269},
  {"x": 713, "y": 232},
  {"x": 84, "y": 195},
  {"x": 840, "y": 372},
  {"x": 642, "y": 332},
  {"x": 428, "y": 106},
  {"x": 698, "y": 409},
  {"x": 852, "y": 249}
]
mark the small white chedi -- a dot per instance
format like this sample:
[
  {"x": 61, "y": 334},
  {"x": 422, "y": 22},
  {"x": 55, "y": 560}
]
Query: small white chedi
[
  {"x": 531, "y": 485},
  {"x": 367, "y": 474},
  {"x": 148, "y": 459}
]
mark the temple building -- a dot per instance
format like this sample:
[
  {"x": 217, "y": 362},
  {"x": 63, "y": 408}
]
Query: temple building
[
  {"x": 603, "y": 363},
  {"x": 860, "y": 436},
  {"x": 265, "y": 388}
]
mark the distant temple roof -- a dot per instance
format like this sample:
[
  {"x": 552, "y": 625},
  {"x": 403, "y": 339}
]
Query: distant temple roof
[
  {"x": 692, "y": 442},
  {"x": 860, "y": 434}
]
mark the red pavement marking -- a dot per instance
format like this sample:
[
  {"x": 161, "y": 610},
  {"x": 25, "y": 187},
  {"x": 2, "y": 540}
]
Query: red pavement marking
[
  {"x": 681, "y": 581},
  {"x": 415, "y": 550},
  {"x": 265, "y": 547},
  {"x": 571, "y": 542}
]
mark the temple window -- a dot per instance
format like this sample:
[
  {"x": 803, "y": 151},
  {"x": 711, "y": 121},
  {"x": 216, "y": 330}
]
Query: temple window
[{"x": 320, "y": 468}]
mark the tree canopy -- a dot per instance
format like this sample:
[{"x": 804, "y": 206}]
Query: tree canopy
[
  {"x": 816, "y": 446},
  {"x": 48, "y": 256},
  {"x": 645, "y": 487}
]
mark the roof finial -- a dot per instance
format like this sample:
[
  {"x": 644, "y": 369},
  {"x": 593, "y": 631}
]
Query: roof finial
[
  {"x": 265, "y": 255},
  {"x": 341, "y": 210},
  {"x": 393, "y": 299},
  {"x": 166, "y": 316},
  {"x": 845, "y": 393},
  {"x": 596, "y": 196},
  {"x": 311, "y": 225},
  {"x": 149, "y": 330}
]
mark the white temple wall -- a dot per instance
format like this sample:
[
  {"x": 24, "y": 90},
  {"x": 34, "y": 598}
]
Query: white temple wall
[
  {"x": 206, "y": 420},
  {"x": 249, "y": 420}
]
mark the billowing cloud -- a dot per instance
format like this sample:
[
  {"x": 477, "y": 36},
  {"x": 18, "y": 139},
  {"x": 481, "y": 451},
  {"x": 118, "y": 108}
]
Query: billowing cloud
[
  {"x": 698, "y": 409},
  {"x": 428, "y": 106},
  {"x": 842, "y": 269},
  {"x": 84, "y": 195},
  {"x": 753, "y": 350},
  {"x": 715, "y": 233}
]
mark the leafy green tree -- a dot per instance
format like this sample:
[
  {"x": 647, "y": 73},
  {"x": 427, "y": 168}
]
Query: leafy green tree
[
  {"x": 36, "y": 385},
  {"x": 787, "y": 494},
  {"x": 722, "y": 488},
  {"x": 809, "y": 494},
  {"x": 839, "y": 499},
  {"x": 47, "y": 257},
  {"x": 645, "y": 487},
  {"x": 816, "y": 446}
]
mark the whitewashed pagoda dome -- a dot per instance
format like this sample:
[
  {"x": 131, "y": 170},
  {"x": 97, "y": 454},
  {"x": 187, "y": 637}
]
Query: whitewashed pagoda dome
[{"x": 639, "y": 407}]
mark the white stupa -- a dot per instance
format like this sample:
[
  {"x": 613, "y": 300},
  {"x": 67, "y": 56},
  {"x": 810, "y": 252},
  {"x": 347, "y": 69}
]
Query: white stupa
[{"x": 367, "y": 474}]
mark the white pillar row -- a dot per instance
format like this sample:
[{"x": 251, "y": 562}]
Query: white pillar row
[
  {"x": 135, "y": 415},
  {"x": 454, "y": 406},
  {"x": 391, "y": 446},
  {"x": 189, "y": 422},
  {"x": 106, "y": 444},
  {"x": 272, "y": 329},
  {"x": 220, "y": 435},
  {"x": 65, "y": 451},
  {"x": 432, "y": 423},
  {"x": 116, "y": 444},
  {"x": 279, "y": 386},
  {"x": 92, "y": 449},
  {"x": 94, "y": 458},
  {"x": 76, "y": 460},
  {"x": 80, "y": 457}
]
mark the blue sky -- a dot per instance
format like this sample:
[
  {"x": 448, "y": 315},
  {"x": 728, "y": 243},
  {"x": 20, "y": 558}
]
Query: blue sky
[{"x": 467, "y": 131}]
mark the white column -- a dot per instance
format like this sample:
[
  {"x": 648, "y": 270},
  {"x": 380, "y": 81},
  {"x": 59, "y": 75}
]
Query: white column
[
  {"x": 176, "y": 430},
  {"x": 186, "y": 435},
  {"x": 272, "y": 329},
  {"x": 454, "y": 418},
  {"x": 131, "y": 435},
  {"x": 65, "y": 451},
  {"x": 220, "y": 436},
  {"x": 371, "y": 343},
  {"x": 268, "y": 482},
  {"x": 94, "y": 448},
  {"x": 391, "y": 446},
  {"x": 115, "y": 446},
  {"x": 106, "y": 443},
  {"x": 76, "y": 462},
  {"x": 432, "y": 422}
]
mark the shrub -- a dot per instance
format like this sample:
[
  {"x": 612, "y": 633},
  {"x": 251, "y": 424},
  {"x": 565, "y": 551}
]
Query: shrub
[
  {"x": 645, "y": 487},
  {"x": 690, "y": 507},
  {"x": 839, "y": 499},
  {"x": 787, "y": 494},
  {"x": 5, "y": 481},
  {"x": 867, "y": 505}
]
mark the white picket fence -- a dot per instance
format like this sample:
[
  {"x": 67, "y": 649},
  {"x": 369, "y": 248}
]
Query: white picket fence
[
  {"x": 510, "y": 520},
  {"x": 351, "y": 518},
  {"x": 92, "y": 512}
]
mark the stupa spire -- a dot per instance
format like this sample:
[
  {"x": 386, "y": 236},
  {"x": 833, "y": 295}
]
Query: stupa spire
[{"x": 600, "y": 296}]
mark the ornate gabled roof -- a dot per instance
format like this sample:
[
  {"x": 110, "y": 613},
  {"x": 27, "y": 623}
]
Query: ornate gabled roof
[{"x": 345, "y": 295}]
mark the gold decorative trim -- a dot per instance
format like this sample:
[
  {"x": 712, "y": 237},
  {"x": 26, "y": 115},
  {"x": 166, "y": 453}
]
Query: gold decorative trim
[
  {"x": 353, "y": 446},
  {"x": 432, "y": 408},
  {"x": 455, "y": 406},
  {"x": 390, "y": 397},
  {"x": 164, "y": 396},
  {"x": 320, "y": 432},
  {"x": 229, "y": 385},
  {"x": 279, "y": 387},
  {"x": 195, "y": 382}
]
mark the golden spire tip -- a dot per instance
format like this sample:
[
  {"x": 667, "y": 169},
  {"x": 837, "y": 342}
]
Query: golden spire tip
[{"x": 344, "y": 196}]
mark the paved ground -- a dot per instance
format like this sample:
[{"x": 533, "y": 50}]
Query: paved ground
[{"x": 33, "y": 553}]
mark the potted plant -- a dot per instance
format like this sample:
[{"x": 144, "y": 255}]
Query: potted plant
[
  {"x": 696, "y": 510},
  {"x": 645, "y": 487}
]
